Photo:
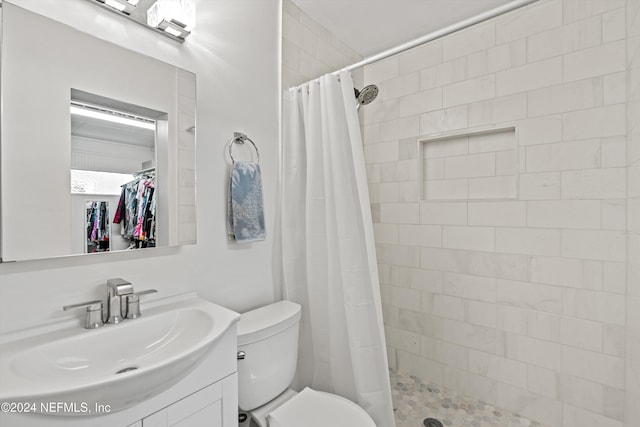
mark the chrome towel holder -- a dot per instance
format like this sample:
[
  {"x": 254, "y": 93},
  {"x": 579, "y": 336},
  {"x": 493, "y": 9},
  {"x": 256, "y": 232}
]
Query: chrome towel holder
[{"x": 241, "y": 138}]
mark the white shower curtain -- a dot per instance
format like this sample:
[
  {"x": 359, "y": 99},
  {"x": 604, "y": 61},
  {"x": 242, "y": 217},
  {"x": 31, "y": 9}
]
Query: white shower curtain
[{"x": 328, "y": 253}]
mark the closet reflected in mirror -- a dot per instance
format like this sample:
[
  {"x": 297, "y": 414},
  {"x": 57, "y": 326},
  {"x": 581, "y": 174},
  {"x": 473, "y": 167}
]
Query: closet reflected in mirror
[{"x": 113, "y": 174}]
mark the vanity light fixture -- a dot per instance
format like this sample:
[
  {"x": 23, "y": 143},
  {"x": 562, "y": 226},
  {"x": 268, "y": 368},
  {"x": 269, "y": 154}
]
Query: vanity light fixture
[
  {"x": 124, "y": 6},
  {"x": 113, "y": 116},
  {"x": 172, "y": 18},
  {"x": 176, "y": 17}
]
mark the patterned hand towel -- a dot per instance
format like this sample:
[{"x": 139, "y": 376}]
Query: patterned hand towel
[{"x": 245, "y": 208}]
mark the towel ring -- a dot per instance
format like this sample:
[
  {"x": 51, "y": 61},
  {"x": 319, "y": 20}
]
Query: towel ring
[{"x": 241, "y": 138}]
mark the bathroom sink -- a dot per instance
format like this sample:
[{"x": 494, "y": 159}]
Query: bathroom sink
[{"x": 116, "y": 365}]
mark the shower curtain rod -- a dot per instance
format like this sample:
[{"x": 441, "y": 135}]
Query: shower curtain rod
[{"x": 440, "y": 33}]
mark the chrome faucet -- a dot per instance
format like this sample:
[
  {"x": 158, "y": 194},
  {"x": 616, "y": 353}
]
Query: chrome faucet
[
  {"x": 121, "y": 302},
  {"x": 116, "y": 289}
]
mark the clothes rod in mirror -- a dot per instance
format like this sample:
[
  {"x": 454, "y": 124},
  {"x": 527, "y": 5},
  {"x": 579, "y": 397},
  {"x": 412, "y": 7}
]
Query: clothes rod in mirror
[{"x": 172, "y": 18}]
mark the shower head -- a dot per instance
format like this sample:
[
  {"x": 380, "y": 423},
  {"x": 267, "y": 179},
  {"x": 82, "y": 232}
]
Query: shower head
[{"x": 366, "y": 95}]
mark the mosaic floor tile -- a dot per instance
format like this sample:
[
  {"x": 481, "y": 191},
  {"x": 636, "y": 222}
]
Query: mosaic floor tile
[{"x": 415, "y": 400}]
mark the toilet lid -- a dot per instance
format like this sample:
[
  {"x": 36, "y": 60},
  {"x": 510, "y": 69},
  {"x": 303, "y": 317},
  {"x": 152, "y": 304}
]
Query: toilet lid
[{"x": 312, "y": 408}]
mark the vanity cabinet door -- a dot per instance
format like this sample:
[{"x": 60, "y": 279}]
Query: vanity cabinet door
[
  {"x": 203, "y": 408},
  {"x": 159, "y": 419},
  {"x": 208, "y": 416}
]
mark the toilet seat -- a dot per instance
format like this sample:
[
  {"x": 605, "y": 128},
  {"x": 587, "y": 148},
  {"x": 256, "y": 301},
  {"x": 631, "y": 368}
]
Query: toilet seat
[{"x": 312, "y": 408}]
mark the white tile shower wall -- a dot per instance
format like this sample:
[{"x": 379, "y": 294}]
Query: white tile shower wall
[
  {"x": 632, "y": 336},
  {"x": 308, "y": 49},
  {"x": 518, "y": 302},
  {"x": 459, "y": 167}
]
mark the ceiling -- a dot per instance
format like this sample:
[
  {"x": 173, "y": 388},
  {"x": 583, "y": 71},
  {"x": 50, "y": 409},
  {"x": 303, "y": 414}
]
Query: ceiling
[
  {"x": 88, "y": 127},
  {"x": 372, "y": 26}
]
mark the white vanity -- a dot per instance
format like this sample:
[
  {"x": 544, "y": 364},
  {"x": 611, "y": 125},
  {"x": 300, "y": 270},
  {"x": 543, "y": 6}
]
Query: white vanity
[{"x": 173, "y": 366}]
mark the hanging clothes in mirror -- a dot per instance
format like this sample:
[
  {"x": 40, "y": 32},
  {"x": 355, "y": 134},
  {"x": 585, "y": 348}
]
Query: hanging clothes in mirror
[
  {"x": 97, "y": 226},
  {"x": 136, "y": 212}
]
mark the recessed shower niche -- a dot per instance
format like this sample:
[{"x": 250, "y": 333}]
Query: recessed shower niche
[{"x": 480, "y": 165}]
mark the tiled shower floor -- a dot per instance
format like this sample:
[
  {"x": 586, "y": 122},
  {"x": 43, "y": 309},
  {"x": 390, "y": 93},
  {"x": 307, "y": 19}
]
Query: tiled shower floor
[{"x": 415, "y": 400}]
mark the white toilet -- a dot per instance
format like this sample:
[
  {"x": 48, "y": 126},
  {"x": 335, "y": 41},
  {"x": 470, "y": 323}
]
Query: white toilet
[{"x": 268, "y": 336}]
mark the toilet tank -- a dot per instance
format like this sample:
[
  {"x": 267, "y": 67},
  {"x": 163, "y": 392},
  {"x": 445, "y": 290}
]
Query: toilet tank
[{"x": 269, "y": 338}]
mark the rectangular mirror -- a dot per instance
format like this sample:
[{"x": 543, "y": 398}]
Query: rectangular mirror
[{"x": 90, "y": 128}]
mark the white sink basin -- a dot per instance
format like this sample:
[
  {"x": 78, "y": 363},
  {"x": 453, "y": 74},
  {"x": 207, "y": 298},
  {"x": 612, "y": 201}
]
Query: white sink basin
[{"x": 116, "y": 365}]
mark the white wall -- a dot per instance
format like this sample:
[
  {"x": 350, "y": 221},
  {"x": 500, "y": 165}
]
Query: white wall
[
  {"x": 231, "y": 41},
  {"x": 309, "y": 50},
  {"x": 518, "y": 302},
  {"x": 632, "y": 374}
]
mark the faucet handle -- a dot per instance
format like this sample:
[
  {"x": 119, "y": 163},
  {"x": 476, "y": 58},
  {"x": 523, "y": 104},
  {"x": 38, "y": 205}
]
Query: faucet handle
[
  {"x": 89, "y": 304},
  {"x": 133, "y": 303},
  {"x": 147, "y": 292},
  {"x": 93, "y": 319}
]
